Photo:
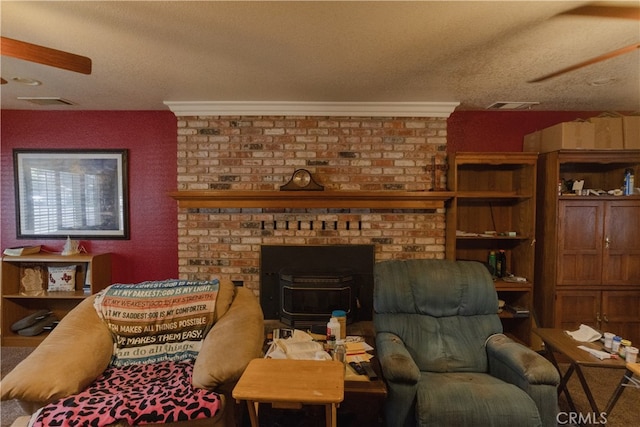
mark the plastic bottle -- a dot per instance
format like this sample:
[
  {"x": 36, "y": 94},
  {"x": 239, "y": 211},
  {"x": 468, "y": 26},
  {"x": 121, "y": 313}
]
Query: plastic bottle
[
  {"x": 331, "y": 344},
  {"x": 502, "y": 256},
  {"x": 622, "y": 351},
  {"x": 340, "y": 353},
  {"x": 615, "y": 344},
  {"x": 333, "y": 329},
  {"x": 492, "y": 263},
  {"x": 628, "y": 182},
  {"x": 341, "y": 315}
]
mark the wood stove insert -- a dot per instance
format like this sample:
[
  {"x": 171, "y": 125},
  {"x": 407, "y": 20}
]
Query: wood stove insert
[
  {"x": 309, "y": 298},
  {"x": 302, "y": 285}
]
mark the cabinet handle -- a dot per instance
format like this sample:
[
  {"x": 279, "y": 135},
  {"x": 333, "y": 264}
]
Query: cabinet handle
[
  {"x": 598, "y": 319},
  {"x": 606, "y": 319},
  {"x": 607, "y": 242}
]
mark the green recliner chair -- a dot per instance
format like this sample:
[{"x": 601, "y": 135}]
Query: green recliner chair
[{"x": 444, "y": 357}]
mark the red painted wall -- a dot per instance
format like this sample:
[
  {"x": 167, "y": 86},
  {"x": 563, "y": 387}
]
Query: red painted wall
[
  {"x": 501, "y": 130},
  {"x": 150, "y": 137}
]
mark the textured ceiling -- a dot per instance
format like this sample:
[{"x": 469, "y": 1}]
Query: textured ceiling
[{"x": 472, "y": 52}]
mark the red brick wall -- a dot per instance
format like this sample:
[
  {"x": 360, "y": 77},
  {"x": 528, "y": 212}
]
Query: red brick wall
[{"x": 343, "y": 153}]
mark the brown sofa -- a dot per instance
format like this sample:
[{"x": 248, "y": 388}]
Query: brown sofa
[{"x": 79, "y": 349}]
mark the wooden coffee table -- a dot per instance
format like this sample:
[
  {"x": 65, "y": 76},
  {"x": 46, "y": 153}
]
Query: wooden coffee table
[
  {"x": 289, "y": 384},
  {"x": 558, "y": 341}
]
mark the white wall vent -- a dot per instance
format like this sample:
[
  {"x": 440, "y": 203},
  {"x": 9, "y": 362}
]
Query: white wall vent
[
  {"x": 45, "y": 100},
  {"x": 512, "y": 105}
]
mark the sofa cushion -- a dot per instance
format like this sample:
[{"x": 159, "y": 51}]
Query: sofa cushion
[
  {"x": 34, "y": 380},
  {"x": 137, "y": 394},
  {"x": 443, "y": 311},
  {"x": 437, "y": 288},
  {"x": 226, "y": 294},
  {"x": 443, "y": 344},
  {"x": 235, "y": 339},
  {"x": 488, "y": 402},
  {"x": 158, "y": 320}
]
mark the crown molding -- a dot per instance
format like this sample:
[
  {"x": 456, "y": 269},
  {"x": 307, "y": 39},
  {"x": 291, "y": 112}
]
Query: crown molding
[{"x": 287, "y": 108}]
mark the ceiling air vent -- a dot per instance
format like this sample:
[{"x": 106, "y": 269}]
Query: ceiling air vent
[
  {"x": 45, "y": 100},
  {"x": 512, "y": 105}
]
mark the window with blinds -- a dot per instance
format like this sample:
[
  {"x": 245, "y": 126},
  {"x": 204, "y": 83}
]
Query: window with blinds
[{"x": 71, "y": 194}]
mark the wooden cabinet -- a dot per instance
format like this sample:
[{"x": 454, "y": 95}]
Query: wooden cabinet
[
  {"x": 615, "y": 311},
  {"x": 588, "y": 247},
  {"x": 575, "y": 307},
  {"x": 93, "y": 273},
  {"x": 493, "y": 209},
  {"x": 599, "y": 242}
]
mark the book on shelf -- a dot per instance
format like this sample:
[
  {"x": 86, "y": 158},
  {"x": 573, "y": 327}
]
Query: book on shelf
[
  {"x": 22, "y": 250},
  {"x": 517, "y": 311}
]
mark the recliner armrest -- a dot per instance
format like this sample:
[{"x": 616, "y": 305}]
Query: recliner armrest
[
  {"x": 397, "y": 364},
  {"x": 517, "y": 364}
]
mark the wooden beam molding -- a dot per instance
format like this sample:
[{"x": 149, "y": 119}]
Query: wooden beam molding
[{"x": 312, "y": 199}]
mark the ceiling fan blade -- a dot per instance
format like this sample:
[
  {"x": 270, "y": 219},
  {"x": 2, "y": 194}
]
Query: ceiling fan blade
[
  {"x": 45, "y": 55},
  {"x": 591, "y": 61},
  {"x": 623, "y": 12},
  {"x": 2, "y": 81}
]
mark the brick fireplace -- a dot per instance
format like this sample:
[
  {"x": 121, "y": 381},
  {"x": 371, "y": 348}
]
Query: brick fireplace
[{"x": 351, "y": 154}]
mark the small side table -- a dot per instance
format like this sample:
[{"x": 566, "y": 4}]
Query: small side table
[
  {"x": 289, "y": 384},
  {"x": 557, "y": 340}
]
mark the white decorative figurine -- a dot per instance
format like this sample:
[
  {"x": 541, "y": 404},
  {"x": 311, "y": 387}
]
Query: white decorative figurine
[{"x": 70, "y": 247}]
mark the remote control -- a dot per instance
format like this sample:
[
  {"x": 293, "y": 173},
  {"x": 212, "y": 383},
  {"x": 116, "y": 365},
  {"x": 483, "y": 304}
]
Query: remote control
[
  {"x": 359, "y": 369},
  {"x": 369, "y": 370}
]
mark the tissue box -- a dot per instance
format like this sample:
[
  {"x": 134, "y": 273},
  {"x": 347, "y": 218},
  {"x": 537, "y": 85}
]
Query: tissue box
[
  {"x": 608, "y": 132},
  {"x": 568, "y": 135},
  {"x": 631, "y": 130}
]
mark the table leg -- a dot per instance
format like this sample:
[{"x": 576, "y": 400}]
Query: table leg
[
  {"x": 331, "y": 415},
  {"x": 253, "y": 413},
  {"x": 587, "y": 390},
  {"x": 562, "y": 387},
  {"x": 616, "y": 394}
]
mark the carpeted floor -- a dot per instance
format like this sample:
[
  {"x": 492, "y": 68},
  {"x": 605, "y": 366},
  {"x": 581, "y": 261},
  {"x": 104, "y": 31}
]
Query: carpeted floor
[
  {"x": 602, "y": 382},
  {"x": 10, "y": 357}
]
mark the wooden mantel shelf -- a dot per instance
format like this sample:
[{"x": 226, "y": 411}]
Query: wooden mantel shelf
[{"x": 312, "y": 199}]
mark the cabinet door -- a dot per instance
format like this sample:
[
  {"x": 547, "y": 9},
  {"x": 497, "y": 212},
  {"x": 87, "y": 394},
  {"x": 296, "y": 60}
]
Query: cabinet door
[
  {"x": 580, "y": 242},
  {"x": 576, "y": 307},
  {"x": 620, "y": 314},
  {"x": 621, "y": 260}
]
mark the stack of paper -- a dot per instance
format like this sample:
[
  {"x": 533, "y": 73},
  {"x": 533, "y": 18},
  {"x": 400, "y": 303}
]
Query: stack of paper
[
  {"x": 597, "y": 353},
  {"x": 585, "y": 334},
  {"x": 357, "y": 351}
]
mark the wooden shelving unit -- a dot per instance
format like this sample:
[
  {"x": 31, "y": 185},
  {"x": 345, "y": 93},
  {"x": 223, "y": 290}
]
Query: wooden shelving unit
[
  {"x": 494, "y": 209},
  {"x": 588, "y": 249},
  {"x": 93, "y": 273}
]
